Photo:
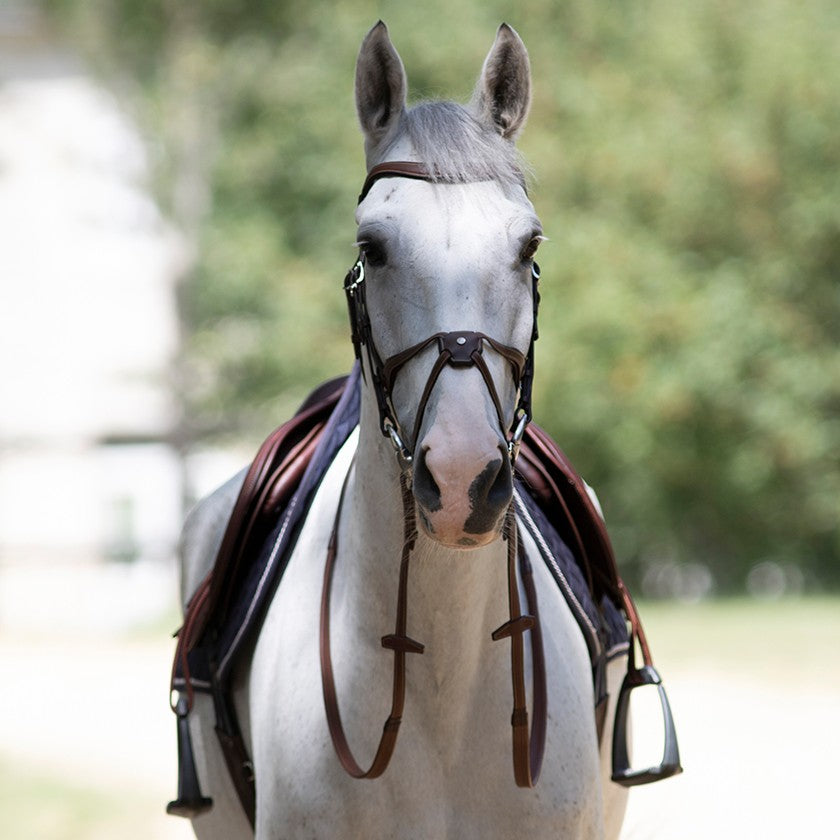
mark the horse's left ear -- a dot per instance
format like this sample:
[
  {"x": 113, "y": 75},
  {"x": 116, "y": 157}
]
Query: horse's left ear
[
  {"x": 380, "y": 86},
  {"x": 503, "y": 94}
]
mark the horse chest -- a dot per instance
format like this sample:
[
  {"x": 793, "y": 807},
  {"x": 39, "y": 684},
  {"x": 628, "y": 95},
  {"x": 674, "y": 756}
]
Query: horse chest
[{"x": 451, "y": 771}]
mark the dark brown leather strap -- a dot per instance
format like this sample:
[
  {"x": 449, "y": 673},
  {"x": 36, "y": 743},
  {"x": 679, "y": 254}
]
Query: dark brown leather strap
[
  {"x": 394, "y": 169},
  {"x": 399, "y": 642},
  {"x": 241, "y": 770},
  {"x": 539, "y": 682},
  {"x": 637, "y": 630},
  {"x": 407, "y": 169},
  {"x": 528, "y": 749}
]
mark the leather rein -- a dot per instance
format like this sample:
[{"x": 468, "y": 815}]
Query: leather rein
[{"x": 458, "y": 349}]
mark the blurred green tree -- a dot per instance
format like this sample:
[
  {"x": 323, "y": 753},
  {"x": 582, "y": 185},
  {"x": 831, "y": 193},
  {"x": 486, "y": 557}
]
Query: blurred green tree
[{"x": 688, "y": 160}]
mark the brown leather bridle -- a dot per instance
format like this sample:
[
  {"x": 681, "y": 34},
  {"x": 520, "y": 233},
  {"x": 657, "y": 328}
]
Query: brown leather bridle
[{"x": 463, "y": 348}]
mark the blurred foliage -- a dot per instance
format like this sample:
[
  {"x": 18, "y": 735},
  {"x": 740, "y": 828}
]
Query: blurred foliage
[{"x": 688, "y": 174}]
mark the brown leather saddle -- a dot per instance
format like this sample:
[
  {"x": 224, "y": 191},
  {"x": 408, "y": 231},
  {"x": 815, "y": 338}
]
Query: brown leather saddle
[{"x": 274, "y": 480}]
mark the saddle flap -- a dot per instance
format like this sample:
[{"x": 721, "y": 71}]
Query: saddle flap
[
  {"x": 269, "y": 484},
  {"x": 562, "y": 493}
]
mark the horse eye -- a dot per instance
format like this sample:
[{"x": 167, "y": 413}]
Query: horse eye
[
  {"x": 374, "y": 253},
  {"x": 530, "y": 249}
]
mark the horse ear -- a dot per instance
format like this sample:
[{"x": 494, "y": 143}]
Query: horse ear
[
  {"x": 503, "y": 93},
  {"x": 380, "y": 85}
]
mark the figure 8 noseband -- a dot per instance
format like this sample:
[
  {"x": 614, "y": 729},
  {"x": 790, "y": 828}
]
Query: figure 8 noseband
[{"x": 459, "y": 348}]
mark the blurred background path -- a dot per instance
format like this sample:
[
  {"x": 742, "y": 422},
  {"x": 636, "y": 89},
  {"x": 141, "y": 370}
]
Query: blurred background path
[{"x": 87, "y": 747}]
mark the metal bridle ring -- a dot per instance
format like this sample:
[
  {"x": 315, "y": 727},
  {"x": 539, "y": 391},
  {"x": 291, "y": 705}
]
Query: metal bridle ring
[
  {"x": 403, "y": 455},
  {"x": 516, "y": 437}
]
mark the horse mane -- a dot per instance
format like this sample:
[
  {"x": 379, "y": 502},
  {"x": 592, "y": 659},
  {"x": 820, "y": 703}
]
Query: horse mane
[{"x": 456, "y": 147}]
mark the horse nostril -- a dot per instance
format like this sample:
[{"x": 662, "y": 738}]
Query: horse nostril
[
  {"x": 426, "y": 490},
  {"x": 490, "y": 492},
  {"x": 501, "y": 490}
]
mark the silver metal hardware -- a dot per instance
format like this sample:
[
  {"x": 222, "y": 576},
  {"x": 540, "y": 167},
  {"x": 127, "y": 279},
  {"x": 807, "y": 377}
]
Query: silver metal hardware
[
  {"x": 403, "y": 455},
  {"x": 516, "y": 438},
  {"x": 359, "y": 269},
  {"x": 461, "y": 340}
]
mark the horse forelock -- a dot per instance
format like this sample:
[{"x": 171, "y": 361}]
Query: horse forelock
[{"x": 456, "y": 147}]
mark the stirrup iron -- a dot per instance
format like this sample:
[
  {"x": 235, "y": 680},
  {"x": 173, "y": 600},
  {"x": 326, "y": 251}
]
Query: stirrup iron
[
  {"x": 190, "y": 802},
  {"x": 670, "y": 764}
]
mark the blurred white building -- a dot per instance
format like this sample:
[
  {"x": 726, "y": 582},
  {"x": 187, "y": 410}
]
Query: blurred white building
[{"x": 88, "y": 331}]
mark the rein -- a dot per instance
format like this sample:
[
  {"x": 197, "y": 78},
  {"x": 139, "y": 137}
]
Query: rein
[
  {"x": 398, "y": 641},
  {"x": 458, "y": 349},
  {"x": 528, "y": 750}
]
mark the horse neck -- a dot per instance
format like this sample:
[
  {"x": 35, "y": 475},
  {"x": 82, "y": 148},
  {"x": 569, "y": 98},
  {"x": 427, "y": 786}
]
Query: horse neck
[{"x": 456, "y": 596}]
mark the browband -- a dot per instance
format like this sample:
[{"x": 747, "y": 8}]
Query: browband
[
  {"x": 404, "y": 169},
  {"x": 395, "y": 169}
]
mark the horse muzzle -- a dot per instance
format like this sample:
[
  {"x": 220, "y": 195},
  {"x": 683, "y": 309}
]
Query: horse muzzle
[{"x": 461, "y": 498}]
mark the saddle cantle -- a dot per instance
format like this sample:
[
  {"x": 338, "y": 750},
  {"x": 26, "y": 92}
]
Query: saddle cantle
[{"x": 227, "y": 609}]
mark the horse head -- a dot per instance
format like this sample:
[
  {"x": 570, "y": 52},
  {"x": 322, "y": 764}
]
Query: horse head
[{"x": 447, "y": 238}]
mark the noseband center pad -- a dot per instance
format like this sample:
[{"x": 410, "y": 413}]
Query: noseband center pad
[{"x": 461, "y": 346}]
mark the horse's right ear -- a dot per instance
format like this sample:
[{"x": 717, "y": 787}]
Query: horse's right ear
[
  {"x": 380, "y": 85},
  {"x": 503, "y": 94}
]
